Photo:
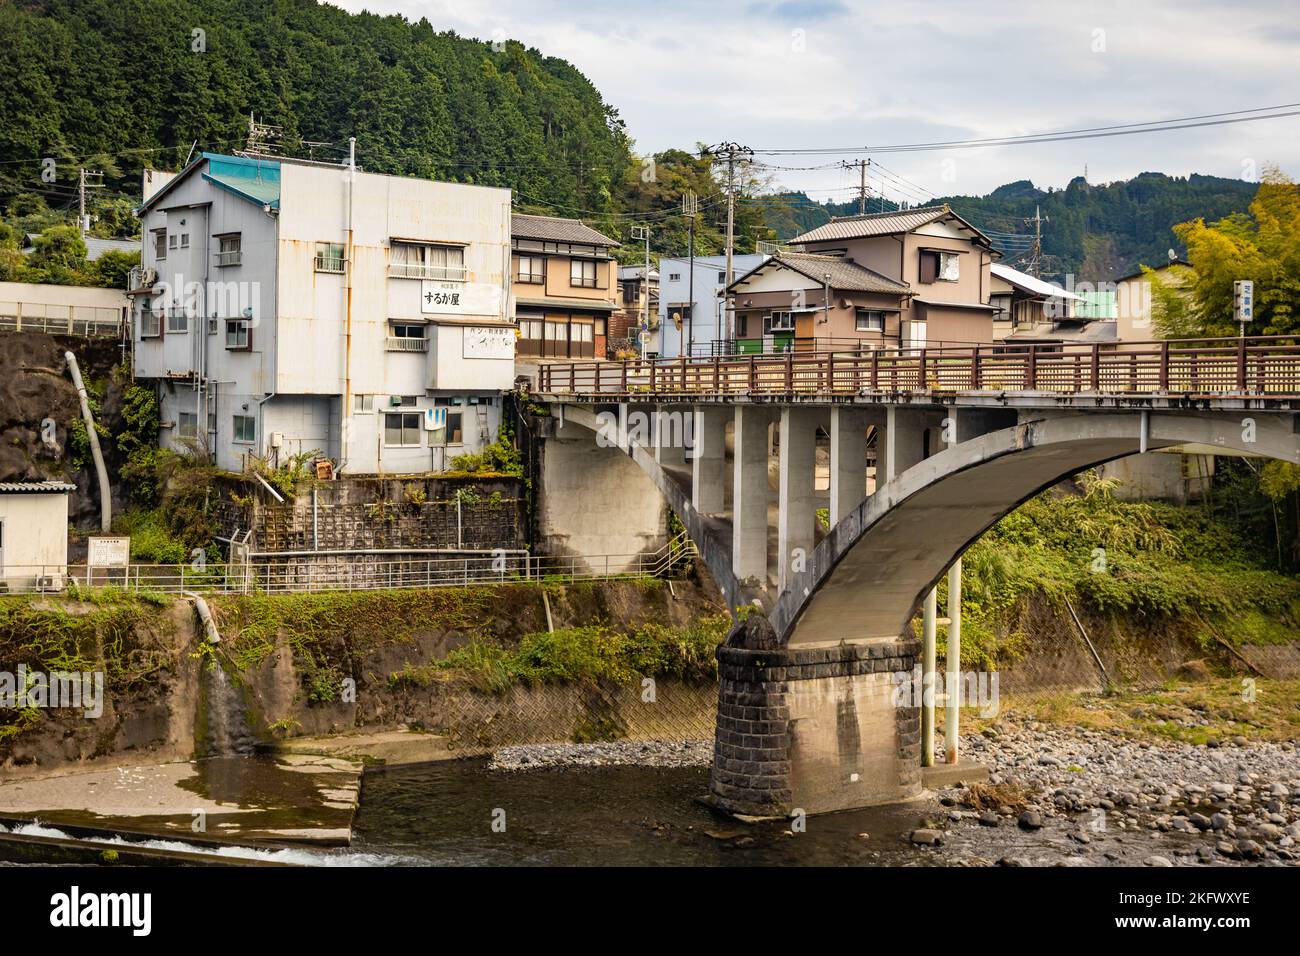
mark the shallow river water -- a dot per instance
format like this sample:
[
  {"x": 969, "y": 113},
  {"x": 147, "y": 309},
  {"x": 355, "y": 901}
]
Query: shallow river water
[{"x": 613, "y": 816}]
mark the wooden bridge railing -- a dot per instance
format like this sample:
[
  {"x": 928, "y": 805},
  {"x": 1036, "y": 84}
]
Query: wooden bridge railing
[{"x": 1204, "y": 367}]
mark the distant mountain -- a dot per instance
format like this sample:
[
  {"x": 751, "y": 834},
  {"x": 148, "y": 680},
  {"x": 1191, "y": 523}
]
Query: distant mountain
[{"x": 1095, "y": 232}]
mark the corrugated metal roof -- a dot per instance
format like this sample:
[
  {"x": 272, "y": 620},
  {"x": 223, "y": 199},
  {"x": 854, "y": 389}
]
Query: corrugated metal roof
[
  {"x": 555, "y": 229},
  {"x": 97, "y": 247},
  {"x": 35, "y": 487},
  {"x": 1030, "y": 283},
  {"x": 844, "y": 275}
]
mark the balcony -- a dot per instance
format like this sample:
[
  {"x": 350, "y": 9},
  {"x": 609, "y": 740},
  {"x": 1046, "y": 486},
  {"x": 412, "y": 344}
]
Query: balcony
[
  {"x": 415, "y": 270},
  {"x": 402, "y": 344},
  {"x": 332, "y": 264},
  {"x": 228, "y": 258}
]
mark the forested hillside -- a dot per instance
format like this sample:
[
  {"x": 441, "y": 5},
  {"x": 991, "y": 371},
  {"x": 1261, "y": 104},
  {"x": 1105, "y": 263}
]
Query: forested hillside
[{"x": 1093, "y": 231}]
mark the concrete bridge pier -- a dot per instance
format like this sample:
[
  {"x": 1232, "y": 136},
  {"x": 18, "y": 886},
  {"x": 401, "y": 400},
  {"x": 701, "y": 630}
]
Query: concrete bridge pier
[
  {"x": 797, "y": 507},
  {"x": 708, "y": 456},
  {"x": 749, "y": 495}
]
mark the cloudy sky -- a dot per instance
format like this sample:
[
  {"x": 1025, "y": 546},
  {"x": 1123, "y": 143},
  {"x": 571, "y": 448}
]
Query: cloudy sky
[{"x": 774, "y": 74}]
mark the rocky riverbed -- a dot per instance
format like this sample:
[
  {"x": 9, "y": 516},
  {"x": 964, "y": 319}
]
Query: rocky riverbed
[
  {"x": 1063, "y": 795},
  {"x": 1091, "y": 797}
]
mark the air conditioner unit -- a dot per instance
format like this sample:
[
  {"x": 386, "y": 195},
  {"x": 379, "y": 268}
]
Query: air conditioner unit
[
  {"x": 148, "y": 277},
  {"x": 49, "y": 582}
]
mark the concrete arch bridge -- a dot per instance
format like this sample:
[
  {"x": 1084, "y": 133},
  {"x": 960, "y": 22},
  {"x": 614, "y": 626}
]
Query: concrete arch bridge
[{"x": 807, "y": 711}]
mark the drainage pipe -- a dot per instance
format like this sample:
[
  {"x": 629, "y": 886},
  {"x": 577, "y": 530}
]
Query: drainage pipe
[
  {"x": 205, "y": 616},
  {"x": 105, "y": 494}
]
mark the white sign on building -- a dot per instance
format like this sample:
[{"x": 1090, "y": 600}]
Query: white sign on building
[
  {"x": 489, "y": 342},
  {"x": 459, "y": 298}
]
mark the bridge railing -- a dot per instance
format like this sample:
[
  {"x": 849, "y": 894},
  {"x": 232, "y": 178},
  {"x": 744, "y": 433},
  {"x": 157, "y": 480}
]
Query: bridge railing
[{"x": 1264, "y": 365}]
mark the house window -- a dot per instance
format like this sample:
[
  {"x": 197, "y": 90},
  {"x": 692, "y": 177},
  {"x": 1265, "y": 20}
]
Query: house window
[
  {"x": 778, "y": 322},
  {"x": 178, "y": 321},
  {"x": 171, "y": 242},
  {"x": 939, "y": 266},
  {"x": 674, "y": 277},
  {"x": 160, "y": 243},
  {"x": 187, "y": 425},
  {"x": 363, "y": 404},
  {"x": 150, "y": 323},
  {"x": 402, "y": 429},
  {"x": 453, "y": 434},
  {"x": 599, "y": 325},
  {"x": 228, "y": 250},
  {"x": 582, "y": 273},
  {"x": 411, "y": 260},
  {"x": 722, "y": 277},
  {"x": 237, "y": 334},
  {"x": 185, "y": 240},
  {"x": 869, "y": 320},
  {"x": 329, "y": 257},
  {"x": 245, "y": 429},
  {"x": 532, "y": 269},
  {"x": 406, "y": 337}
]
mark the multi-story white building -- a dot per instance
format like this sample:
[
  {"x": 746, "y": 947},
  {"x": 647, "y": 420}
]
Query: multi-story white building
[
  {"x": 286, "y": 307},
  {"x": 702, "y": 322}
]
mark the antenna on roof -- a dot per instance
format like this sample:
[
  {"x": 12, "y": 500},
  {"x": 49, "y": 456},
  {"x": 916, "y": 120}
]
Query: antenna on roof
[
  {"x": 1173, "y": 255},
  {"x": 263, "y": 138}
]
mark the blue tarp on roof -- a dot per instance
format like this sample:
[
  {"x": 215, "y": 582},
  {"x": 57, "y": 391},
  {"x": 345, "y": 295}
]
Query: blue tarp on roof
[{"x": 257, "y": 180}]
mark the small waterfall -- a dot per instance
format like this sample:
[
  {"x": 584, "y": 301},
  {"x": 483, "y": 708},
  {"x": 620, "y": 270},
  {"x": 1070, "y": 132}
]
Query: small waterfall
[{"x": 227, "y": 733}]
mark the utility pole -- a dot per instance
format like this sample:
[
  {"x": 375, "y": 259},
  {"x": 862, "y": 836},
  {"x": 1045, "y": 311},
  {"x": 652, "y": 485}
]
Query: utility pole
[
  {"x": 83, "y": 221},
  {"x": 643, "y": 232},
  {"x": 1036, "y": 252},
  {"x": 732, "y": 153},
  {"x": 690, "y": 209},
  {"x": 861, "y": 165}
]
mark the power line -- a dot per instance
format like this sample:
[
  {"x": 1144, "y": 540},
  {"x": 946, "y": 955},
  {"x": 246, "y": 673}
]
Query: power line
[{"x": 1092, "y": 132}]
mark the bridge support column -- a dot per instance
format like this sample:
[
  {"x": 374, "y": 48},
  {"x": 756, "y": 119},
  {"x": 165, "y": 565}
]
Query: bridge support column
[
  {"x": 797, "y": 507},
  {"x": 749, "y": 493},
  {"x": 904, "y": 440},
  {"x": 671, "y": 432},
  {"x": 709, "y": 460},
  {"x": 816, "y": 728},
  {"x": 848, "y": 461}
]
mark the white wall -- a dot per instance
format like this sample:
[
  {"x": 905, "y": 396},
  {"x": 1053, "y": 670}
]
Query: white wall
[{"x": 35, "y": 536}]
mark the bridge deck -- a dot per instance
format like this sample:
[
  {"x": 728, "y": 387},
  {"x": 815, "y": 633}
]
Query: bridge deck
[{"x": 1239, "y": 368}]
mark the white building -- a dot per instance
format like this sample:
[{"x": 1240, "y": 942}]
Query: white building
[
  {"x": 33, "y": 534},
  {"x": 287, "y": 307},
  {"x": 702, "y": 321}
]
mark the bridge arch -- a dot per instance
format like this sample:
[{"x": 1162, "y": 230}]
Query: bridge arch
[{"x": 867, "y": 577}]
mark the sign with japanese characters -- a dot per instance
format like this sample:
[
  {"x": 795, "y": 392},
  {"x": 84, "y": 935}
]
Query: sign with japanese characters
[
  {"x": 106, "y": 552},
  {"x": 489, "y": 342},
  {"x": 459, "y": 298}
]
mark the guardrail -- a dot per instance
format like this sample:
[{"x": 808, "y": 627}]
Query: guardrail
[
  {"x": 358, "y": 572},
  {"x": 88, "y": 321},
  {"x": 1199, "y": 367}
]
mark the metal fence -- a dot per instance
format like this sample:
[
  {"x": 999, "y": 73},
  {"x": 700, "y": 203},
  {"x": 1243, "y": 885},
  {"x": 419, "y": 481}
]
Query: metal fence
[
  {"x": 359, "y": 571},
  {"x": 88, "y": 321},
  {"x": 1206, "y": 367}
]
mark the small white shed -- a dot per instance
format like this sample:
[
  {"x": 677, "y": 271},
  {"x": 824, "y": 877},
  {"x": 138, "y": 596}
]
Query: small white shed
[{"x": 33, "y": 534}]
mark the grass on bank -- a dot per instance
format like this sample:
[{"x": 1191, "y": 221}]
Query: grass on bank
[
  {"x": 592, "y": 654},
  {"x": 1215, "y": 710}
]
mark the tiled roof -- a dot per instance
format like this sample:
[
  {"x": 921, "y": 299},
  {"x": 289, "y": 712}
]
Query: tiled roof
[
  {"x": 38, "y": 487},
  {"x": 555, "y": 229},
  {"x": 844, "y": 275},
  {"x": 97, "y": 247},
  {"x": 880, "y": 224}
]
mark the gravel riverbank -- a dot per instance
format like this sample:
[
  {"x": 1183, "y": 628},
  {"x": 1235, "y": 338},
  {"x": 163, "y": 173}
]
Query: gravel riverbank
[{"x": 640, "y": 753}]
